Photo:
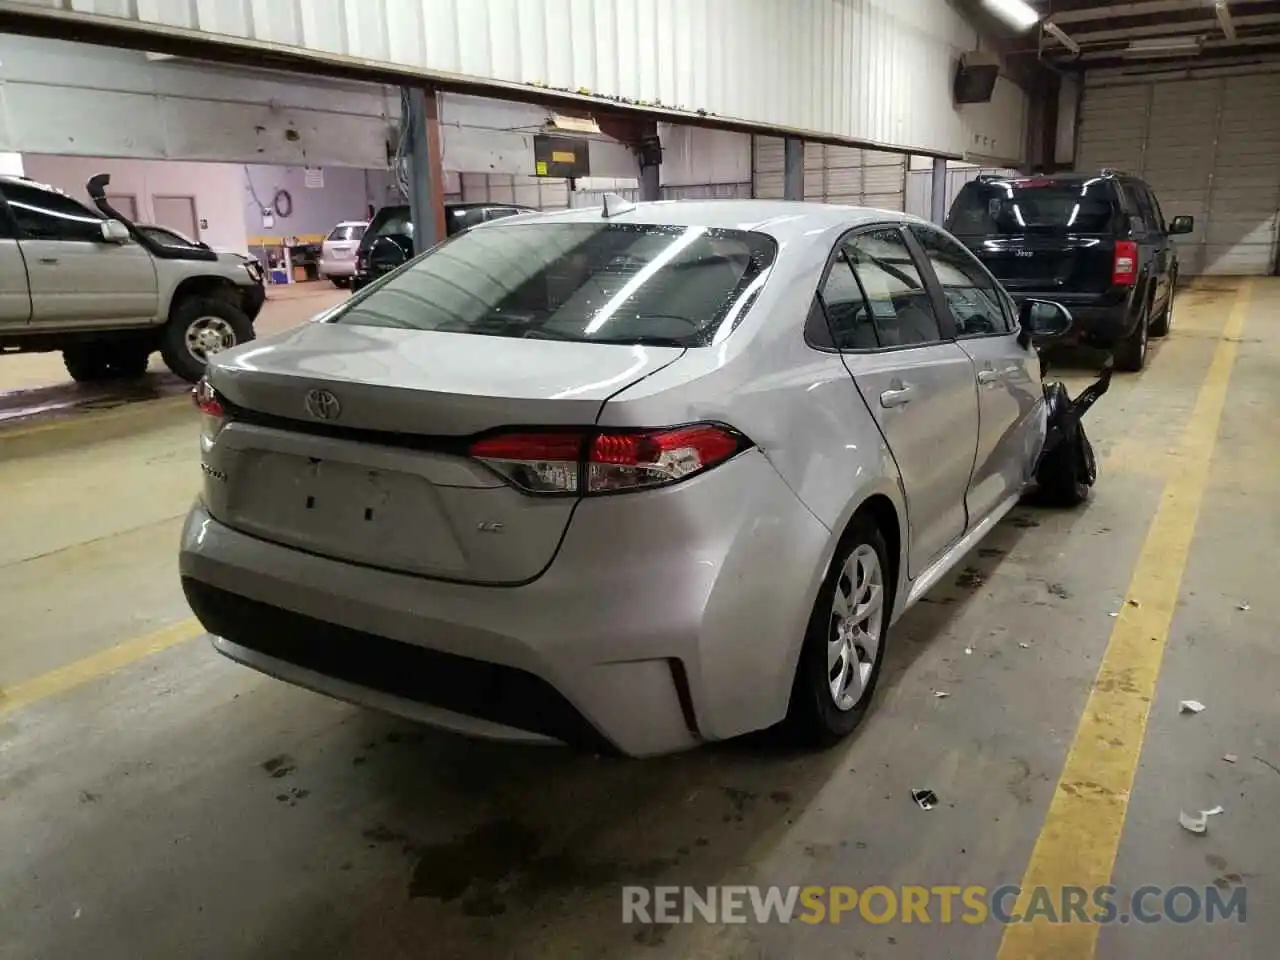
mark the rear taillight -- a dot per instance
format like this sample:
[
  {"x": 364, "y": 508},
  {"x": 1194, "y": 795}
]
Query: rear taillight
[
  {"x": 606, "y": 461},
  {"x": 1124, "y": 269},
  {"x": 213, "y": 413}
]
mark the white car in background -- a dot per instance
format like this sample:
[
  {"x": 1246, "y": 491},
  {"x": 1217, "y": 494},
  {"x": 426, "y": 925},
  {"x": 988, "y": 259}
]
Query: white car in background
[{"x": 338, "y": 255}]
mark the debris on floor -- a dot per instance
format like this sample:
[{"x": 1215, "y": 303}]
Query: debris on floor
[
  {"x": 1024, "y": 645},
  {"x": 925, "y": 799},
  {"x": 1190, "y": 706},
  {"x": 968, "y": 651},
  {"x": 1134, "y": 603},
  {"x": 1230, "y": 757},
  {"x": 940, "y": 694},
  {"x": 1198, "y": 823},
  {"x": 1243, "y": 607}
]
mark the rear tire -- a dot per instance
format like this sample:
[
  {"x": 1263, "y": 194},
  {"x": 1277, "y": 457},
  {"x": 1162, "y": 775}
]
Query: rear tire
[
  {"x": 104, "y": 362},
  {"x": 199, "y": 328},
  {"x": 340, "y": 282},
  {"x": 843, "y": 649},
  {"x": 1131, "y": 352}
]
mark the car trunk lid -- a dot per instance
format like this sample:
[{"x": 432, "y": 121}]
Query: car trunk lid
[{"x": 351, "y": 442}]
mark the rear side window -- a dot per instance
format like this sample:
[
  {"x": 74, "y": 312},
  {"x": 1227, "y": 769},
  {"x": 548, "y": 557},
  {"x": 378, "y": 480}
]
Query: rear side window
[
  {"x": 579, "y": 281},
  {"x": 995, "y": 207},
  {"x": 971, "y": 293},
  {"x": 47, "y": 215},
  {"x": 348, "y": 232},
  {"x": 895, "y": 296},
  {"x": 846, "y": 308}
]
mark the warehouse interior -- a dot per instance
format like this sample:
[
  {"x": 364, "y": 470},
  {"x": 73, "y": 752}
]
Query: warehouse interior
[{"x": 1053, "y": 715}]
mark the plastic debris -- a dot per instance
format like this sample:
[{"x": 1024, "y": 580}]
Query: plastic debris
[
  {"x": 1190, "y": 706},
  {"x": 1212, "y": 813},
  {"x": 1134, "y": 603},
  {"x": 940, "y": 694},
  {"x": 1230, "y": 757},
  {"x": 1023, "y": 644},
  {"x": 1196, "y": 824},
  {"x": 1243, "y": 607},
  {"x": 968, "y": 651},
  {"x": 925, "y": 799},
  {"x": 1113, "y": 615}
]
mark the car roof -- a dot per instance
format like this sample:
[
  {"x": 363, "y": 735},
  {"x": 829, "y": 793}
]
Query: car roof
[
  {"x": 781, "y": 219},
  {"x": 352, "y": 223}
]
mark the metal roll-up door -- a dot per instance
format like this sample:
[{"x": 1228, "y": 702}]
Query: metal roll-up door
[
  {"x": 1209, "y": 148},
  {"x": 767, "y": 162},
  {"x": 834, "y": 174}
]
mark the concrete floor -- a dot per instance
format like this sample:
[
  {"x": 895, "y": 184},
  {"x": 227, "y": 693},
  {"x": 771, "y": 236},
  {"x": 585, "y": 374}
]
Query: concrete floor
[{"x": 175, "y": 805}]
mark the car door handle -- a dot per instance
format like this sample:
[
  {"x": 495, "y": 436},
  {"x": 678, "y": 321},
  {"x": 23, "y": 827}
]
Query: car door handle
[
  {"x": 897, "y": 396},
  {"x": 49, "y": 261},
  {"x": 988, "y": 376}
]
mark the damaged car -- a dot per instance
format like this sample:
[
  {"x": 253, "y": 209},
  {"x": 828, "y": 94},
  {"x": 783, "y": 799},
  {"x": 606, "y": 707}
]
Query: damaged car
[{"x": 636, "y": 477}]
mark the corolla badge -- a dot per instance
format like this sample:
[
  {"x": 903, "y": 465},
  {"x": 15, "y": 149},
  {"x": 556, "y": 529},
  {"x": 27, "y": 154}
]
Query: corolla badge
[{"x": 322, "y": 405}]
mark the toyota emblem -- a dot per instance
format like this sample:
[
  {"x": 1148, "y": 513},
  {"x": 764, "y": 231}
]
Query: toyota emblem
[{"x": 322, "y": 405}]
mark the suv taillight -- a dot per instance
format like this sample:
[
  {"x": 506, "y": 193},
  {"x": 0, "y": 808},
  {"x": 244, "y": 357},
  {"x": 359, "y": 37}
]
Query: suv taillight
[
  {"x": 1124, "y": 269},
  {"x": 606, "y": 461}
]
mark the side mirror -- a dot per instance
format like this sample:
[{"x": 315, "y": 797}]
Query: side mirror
[
  {"x": 1181, "y": 225},
  {"x": 1044, "y": 319},
  {"x": 113, "y": 231}
]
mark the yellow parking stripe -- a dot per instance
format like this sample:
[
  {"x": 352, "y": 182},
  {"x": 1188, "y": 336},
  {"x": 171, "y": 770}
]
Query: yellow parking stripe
[
  {"x": 1081, "y": 832},
  {"x": 97, "y": 665}
]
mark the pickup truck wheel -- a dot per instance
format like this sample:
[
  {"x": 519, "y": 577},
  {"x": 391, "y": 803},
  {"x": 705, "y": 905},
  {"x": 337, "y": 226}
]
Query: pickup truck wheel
[
  {"x": 87, "y": 365},
  {"x": 201, "y": 327},
  {"x": 1131, "y": 352},
  {"x": 843, "y": 648}
]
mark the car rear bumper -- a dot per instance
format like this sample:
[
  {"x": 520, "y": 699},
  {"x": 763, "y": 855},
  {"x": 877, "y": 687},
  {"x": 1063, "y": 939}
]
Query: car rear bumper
[
  {"x": 1103, "y": 319},
  {"x": 667, "y": 618},
  {"x": 337, "y": 268}
]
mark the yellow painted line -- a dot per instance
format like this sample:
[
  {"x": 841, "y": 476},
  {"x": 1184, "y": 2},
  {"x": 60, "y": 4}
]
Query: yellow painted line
[
  {"x": 1081, "y": 832},
  {"x": 95, "y": 666},
  {"x": 71, "y": 418}
]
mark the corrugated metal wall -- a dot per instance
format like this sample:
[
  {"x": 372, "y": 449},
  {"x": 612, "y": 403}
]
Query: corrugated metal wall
[
  {"x": 879, "y": 71},
  {"x": 1209, "y": 147},
  {"x": 864, "y": 178}
]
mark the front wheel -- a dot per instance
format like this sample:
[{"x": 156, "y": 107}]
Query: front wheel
[
  {"x": 843, "y": 648},
  {"x": 200, "y": 328}
]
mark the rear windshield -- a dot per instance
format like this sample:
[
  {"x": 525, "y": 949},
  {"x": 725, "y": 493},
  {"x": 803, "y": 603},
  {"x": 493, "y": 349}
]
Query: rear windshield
[
  {"x": 991, "y": 207},
  {"x": 348, "y": 232},
  {"x": 579, "y": 281}
]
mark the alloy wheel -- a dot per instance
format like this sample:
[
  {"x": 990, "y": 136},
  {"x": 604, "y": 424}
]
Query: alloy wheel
[
  {"x": 209, "y": 335},
  {"x": 857, "y": 627}
]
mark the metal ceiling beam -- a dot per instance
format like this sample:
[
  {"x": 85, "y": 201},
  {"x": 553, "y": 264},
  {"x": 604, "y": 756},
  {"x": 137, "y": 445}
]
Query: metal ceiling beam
[
  {"x": 1109, "y": 11},
  {"x": 1205, "y": 26}
]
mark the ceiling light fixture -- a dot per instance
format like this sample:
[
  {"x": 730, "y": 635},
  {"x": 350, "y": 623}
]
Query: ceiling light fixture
[
  {"x": 1060, "y": 35},
  {"x": 1163, "y": 46},
  {"x": 1017, "y": 13}
]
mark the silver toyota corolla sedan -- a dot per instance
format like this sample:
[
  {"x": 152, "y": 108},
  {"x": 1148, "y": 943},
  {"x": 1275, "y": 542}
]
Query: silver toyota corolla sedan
[{"x": 637, "y": 477}]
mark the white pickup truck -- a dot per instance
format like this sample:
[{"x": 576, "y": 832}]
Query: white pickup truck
[{"x": 108, "y": 294}]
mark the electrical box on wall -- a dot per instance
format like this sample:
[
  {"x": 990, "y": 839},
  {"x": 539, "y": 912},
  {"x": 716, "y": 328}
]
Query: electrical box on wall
[
  {"x": 561, "y": 157},
  {"x": 976, "y": 77}
]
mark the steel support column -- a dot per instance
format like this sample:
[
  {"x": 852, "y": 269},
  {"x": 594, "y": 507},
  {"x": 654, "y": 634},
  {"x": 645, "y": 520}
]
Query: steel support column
[
  {"x": 426, "y": 176},
  {"x": 792, "y": 168},
  {"x": 938, "y": 196}
]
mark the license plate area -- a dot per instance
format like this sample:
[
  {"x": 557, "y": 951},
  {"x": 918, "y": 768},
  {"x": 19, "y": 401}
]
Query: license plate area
[{"x": 351, "y": 511}]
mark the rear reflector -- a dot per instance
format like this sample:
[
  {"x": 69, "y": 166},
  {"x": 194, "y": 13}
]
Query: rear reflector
[
  {"x": 1124, "y": 269},
  {"x": 606, "y": 461}
]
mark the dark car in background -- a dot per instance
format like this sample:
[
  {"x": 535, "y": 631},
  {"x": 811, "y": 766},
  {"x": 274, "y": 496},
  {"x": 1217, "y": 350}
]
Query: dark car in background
[
  {"x": 388, "y": 242},
  {"x": 1096, "y": 243}
]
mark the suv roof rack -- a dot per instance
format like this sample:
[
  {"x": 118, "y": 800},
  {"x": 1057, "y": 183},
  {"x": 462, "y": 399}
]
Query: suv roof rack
[{"x": 1113, "y": 172}]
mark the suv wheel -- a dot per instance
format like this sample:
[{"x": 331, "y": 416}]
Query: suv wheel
[
  {"x": 201, "y": 327},
  {"x": 844, "y": 646},
  {"x": 1131, "y": 352}
]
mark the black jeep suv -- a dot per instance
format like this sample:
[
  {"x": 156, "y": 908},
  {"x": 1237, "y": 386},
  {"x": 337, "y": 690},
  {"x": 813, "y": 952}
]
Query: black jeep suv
[
  {"x": 1096, "y": 243},
  {"x": 388, "y": 241}
]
